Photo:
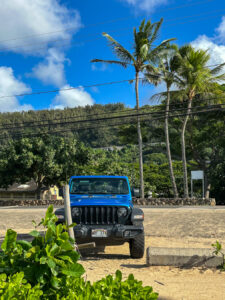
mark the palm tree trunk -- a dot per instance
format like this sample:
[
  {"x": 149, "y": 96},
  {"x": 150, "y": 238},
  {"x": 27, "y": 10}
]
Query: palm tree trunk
[
  {"x": 175, "y": 192},
  {"x": 139, "y": 139},
  {"x": 183, "y": 147},
  {"x": 207, "y": 186}
]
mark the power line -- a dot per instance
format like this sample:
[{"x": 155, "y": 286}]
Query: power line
[
  {"x": 175, "y": 105},
  {"x": 101, "y": 23},
  {"x": 71, "y": 88},
  {"x": 99, "y": 119},
  {"x": 129, "y": 116},
  {"x": 111, "y": 125},
  {"x": 83, "y": 86}
]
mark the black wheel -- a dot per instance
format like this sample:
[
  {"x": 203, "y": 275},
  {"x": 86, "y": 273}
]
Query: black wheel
[{"x": 137, "y": 246}]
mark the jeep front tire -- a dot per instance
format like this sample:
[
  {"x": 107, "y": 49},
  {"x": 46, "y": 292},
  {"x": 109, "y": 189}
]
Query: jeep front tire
[{"x": 137, "y": 246}]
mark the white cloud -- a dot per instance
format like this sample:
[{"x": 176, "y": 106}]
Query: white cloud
[
  {"x": 51, "y": 71},
  {"x": 9, "y": 85},
  {"x": 72, "y": 98},
  {"x": 217, "y": 52},
  {"x": 146, "y": 5},
  {"x": 20, "y": 18}
]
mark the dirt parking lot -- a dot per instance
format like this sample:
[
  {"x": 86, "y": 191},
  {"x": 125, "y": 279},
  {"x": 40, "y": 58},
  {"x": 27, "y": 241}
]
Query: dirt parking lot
[{"x": 164, "y": 227}]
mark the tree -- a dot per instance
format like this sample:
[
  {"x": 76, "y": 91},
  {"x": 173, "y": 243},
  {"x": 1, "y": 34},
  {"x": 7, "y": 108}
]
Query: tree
[
  {"x": 167, "y": 75},
  {"x": 47, "y": 160},
  {"x": 206, "y": 144},
  {"x": 144, "y": 56},
  {"x": 195, "y": 78}
]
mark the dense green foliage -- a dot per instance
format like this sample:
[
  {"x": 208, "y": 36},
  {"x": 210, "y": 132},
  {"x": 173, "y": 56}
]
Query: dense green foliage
[
  {"x": 16, "y": 287},
  {"x": 108, "y": 288},
  {"x": 47, "y": 268},
  {"x": 47, "y": 160},
  {"x": 67, "y": 122}
]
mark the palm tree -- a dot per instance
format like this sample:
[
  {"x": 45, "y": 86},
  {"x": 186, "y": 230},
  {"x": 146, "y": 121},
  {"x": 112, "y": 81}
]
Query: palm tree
[
  {"x": 169, "y": 77},
  {"x": 195, "y": 78},
  {"x": 144, "y": 56}
]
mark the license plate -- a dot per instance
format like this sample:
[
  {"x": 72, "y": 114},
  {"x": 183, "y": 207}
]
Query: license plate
[{"x": 99, "y": 233}]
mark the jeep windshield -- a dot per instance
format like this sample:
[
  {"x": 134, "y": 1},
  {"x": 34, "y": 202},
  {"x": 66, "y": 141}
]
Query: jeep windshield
[{"x": 105, "y": 186}]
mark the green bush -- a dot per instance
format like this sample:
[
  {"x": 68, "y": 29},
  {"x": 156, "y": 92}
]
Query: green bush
[
  {"x": 47, "y": 268},
  {"x": 45, "y": 260},
  {"x": 15, "y": 287},
  {"x": 218, "y": 250}
]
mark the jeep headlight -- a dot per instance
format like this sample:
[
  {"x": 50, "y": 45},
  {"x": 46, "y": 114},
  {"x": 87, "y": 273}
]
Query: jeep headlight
[
  {"x": 76, "y": 212},
  {"x": 122, "y": 212},
  {"x": 60, "y": 217}
]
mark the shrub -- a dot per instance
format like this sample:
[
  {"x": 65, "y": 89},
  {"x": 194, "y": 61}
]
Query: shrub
[
  {"x": 44, "y": 261},
  {"x": 218, "y": 250},
  {"x": 47, "y": 268},
  {"x": 16, "y": 287}
]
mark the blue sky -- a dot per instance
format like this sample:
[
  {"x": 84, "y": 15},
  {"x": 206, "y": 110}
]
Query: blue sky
[{"x": 48, "y": 45}]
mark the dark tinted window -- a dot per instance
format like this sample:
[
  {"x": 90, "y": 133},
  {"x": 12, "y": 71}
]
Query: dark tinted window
[{"x": 115, "y": 186}]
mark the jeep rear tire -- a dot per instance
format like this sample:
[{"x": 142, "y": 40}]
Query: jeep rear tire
[{"x": 137, "y": 246}]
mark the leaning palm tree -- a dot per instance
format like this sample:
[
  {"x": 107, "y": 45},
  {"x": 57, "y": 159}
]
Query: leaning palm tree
[
  {"x": 170, "y": 78},
  {"x": 195, "y": 78},
  {"x": 144, "y": 56}
]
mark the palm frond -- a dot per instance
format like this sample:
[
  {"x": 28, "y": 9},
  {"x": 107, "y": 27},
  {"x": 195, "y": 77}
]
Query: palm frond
[
  {"x": 165, "y": 43},
  {"x": 217, "y": 69},
  {"x": 141, "y": 27},
  {"x": 119, "y": 50},
  {"x": 154, "y": 55},
  {"x": 123, "y": 64},
  {"x": 156, "y": 27},
  {"x": 151, "y": 78},
  {"x": 218, "y": 78},
  {"x": 158, "y": 97}
]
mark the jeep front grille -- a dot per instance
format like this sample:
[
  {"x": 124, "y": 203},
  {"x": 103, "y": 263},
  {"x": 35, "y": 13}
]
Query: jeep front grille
[{"x": 97, "y": 215}]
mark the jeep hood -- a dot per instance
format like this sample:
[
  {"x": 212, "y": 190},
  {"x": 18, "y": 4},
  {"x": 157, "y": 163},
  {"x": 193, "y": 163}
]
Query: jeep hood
[{"x": 98, "y": 200}]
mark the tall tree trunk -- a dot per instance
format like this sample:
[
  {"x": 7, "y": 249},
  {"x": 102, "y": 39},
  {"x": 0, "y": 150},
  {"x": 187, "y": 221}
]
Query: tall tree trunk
[
  {"x": 38, "y": 190},
  {"x": 139, "y": 139},
  {"x": 183, "y": 148},
  {"x": 207, "y": 186},
  {"x": 175, "y": 192},
  {"x": 39, "y": 183}
]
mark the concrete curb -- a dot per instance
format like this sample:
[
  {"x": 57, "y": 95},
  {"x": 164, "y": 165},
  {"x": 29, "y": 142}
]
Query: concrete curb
[{"x": 182, "y": 257}]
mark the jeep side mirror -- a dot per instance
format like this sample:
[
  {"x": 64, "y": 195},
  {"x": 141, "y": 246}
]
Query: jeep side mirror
[{"x": 135, "y": 192}]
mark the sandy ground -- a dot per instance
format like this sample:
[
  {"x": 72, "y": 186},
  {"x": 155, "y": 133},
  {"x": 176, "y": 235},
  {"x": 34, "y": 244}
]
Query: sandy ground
[{"x": 167, "y": 227}]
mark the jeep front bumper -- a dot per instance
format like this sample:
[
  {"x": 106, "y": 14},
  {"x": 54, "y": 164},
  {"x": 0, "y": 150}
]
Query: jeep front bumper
[{"x": 124, "y": 232}]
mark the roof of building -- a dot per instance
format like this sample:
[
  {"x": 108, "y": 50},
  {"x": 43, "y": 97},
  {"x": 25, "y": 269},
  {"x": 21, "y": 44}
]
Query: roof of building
[{"x": 30, "y": 186}]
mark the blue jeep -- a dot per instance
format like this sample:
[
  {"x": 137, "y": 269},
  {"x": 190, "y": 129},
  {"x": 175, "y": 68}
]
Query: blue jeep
[{"x": 102, "y": 208}]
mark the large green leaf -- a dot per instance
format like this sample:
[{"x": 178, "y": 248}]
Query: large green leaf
[
  {"x": 49, "y": 236},
  {"x": 55, "y": 249},
  {"x": 75, "y": 270},
  {"x": 34, "y": 233},
  {"x": 9, "y": 241},
  {"x": 25, "y": 244}
]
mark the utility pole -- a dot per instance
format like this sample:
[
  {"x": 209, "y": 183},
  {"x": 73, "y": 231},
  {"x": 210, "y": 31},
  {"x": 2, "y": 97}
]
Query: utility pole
[
  {"x": 68, "y": 219},
  {"x": 68, "y": 216}
]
